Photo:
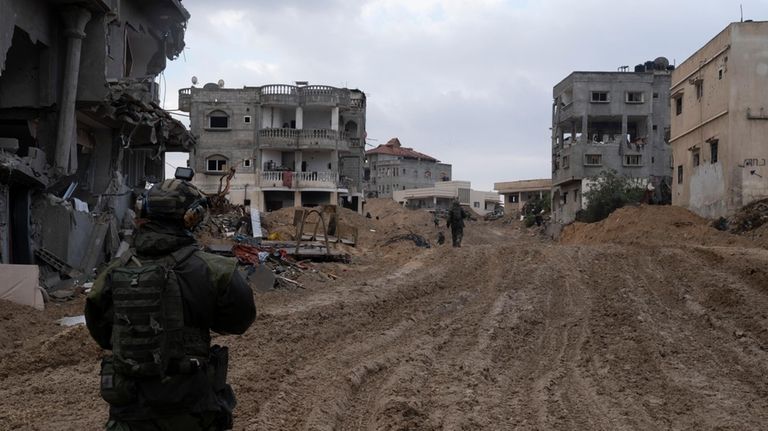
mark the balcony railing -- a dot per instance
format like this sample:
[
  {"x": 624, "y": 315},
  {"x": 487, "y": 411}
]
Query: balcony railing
[
  {"x": 185, "y": 99},
  {"x": 278, "y": 138},
  {"x": 289, "y": 180}
]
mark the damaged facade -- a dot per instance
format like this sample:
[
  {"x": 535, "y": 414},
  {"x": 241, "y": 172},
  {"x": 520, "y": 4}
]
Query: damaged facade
[
  {"x": 515, "y": 194},
  {"x": 290, "y": 145},
  {"x": 80, "y": 124},
  {"x": 719, "y": 122},
  {"x": 610, "y": 120},
  {"x": 443, "y": 193},
  {"x": 391, "y": 167}
]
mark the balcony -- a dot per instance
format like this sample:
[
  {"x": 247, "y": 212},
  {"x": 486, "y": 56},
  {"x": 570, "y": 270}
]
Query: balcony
[
  {"x": 278, "y": 138},
  {"x": 185, "y": 99},
  {"x": 280, "y": 94},
  {"x": 323, "y": 95},
  {"x": 322, "y": 139},
  {"x": 288, "y": 180}
]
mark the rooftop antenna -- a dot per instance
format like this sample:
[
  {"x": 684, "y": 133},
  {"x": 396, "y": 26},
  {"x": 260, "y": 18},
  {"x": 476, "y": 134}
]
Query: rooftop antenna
[{"x": 741, "y": 10}]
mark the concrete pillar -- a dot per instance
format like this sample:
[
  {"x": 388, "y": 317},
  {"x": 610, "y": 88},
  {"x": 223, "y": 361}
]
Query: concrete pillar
[
  {"x": 75, "y": 19},
  {"x": 297, "y": 199},
  {"x": 299, "y": 117},
  {"x": 624, "y": 129},
  {"x": 297, "y": 159},
  {"x": 573, "y": 132},
  {"x": 584, "y": 129},
  {"x": 335, "y": 118},
  {"x": 334, "y": 198}
]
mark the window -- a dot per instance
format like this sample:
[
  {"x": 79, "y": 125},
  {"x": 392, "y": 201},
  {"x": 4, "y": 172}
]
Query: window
[
  {"x": 565, "y": 198},
  {"x": 713, "y": 150},
  {"x": 632, "y": 159},
  {"x": 599, "y": 97},
  {"x": 699, "y": 89},
  {"x": 476, "y": 204},
  {"x": 513, "y": 198},
  {"x": 247, "y": 163},
  {"x": 216, "y": 164},
  {"x": 635, "y": 97},
  {"x": 565, "y": 162},
  {"x": 679, "y": 105},
  {"x": 247, "y": 119},
  {"x": 655, "y": 127},
  {"x": 696, "y": 157},
  {"x": 720, "y": 73},
  {"x": 679, "y": 174},
  {"x": 593, "y": 159},
  {"x": 655, "y": 95},
  {"x": 218, "y": 120}
]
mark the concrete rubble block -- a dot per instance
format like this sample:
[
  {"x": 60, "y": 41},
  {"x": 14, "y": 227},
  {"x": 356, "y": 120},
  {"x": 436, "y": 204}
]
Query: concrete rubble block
[{"x": 20, "y": 285}]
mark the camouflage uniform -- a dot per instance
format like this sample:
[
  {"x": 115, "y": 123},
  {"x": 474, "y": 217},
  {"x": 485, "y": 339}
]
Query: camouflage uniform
[
  {"x": 214, "y": 297},
  {"x": 456, "y": 216}
]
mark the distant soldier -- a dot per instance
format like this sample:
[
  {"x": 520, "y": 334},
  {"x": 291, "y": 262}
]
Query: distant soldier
[
  {"x": 437, "y": 219},
  {"x": 154, "y": 308},
  {"x": 456, "y": 216}
]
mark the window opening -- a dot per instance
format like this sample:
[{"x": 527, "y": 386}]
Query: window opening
[
  {"x": 218, "y": 120},
  {"x": 599, "y": 97},
  {"x": 632, "y": 159},
  {"x": 593, "y": 159},
  {"x": 679, "y": 174},
  {"x": 635, "y": 97},
  {"x": 713, "y": 150}
]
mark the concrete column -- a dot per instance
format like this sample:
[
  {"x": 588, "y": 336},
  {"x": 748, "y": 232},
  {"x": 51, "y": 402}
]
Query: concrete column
[
  {"x": 335, "y": 118},
  {"x": 261, "y": 201},
  {"x": 335, "y": 160},
  {"x": 299, "y": 117},
  {"x": 297, "y": 159},
  {"x": 75, "y": 19},
  {"x": 584, "y": 128},
  {"x": 624, "y": 129},
  {"x": 334, "y": 198},
  {"x": 573, "y": 132},
  {"x": 297, "y": 199}
]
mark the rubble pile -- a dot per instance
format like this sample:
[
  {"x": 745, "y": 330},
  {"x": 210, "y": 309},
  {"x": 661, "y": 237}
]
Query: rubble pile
[
  {"x": 649, "y": 225},
  {"x": 750, "y": 217}
]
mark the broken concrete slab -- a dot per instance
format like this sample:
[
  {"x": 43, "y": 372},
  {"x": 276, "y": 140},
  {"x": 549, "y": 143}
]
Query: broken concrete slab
[{"x": 20, "y": 285}]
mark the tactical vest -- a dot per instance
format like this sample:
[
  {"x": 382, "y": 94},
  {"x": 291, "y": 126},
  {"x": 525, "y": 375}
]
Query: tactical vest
[{"x": 149, "y": 338}]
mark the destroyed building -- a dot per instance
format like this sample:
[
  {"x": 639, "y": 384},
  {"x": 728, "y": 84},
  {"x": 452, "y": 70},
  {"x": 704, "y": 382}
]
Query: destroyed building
[
  {"x": 390, "y": 167},
  {"x": 80, "y": 124},
  {"x": 719, "y": 122},
  {"x": 610, "y": 120},
  {"x": 290, "y": 145},
  {"x": 443, "y": 193},
  {"x": 515, "y": 194}
]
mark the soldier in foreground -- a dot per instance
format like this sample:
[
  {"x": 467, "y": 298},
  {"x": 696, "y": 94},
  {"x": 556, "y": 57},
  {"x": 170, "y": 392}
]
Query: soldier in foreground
[
  {"x": 456, "y": 216},
  {"x": 154, "y": 308}
]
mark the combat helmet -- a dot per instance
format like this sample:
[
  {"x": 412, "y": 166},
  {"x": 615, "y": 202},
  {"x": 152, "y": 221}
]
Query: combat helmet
[{"x": 173, "y": 201}]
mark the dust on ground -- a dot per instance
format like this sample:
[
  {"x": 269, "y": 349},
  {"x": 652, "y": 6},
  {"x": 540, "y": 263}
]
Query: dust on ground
[{"x": 659, "y": 325}]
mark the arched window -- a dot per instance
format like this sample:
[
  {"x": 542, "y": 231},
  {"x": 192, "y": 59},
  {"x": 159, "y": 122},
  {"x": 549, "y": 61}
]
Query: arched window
[
  {"x": 351, "y": 129},
  {"x": 216, "y": 163},
  {"x": 218, "y": 120}
]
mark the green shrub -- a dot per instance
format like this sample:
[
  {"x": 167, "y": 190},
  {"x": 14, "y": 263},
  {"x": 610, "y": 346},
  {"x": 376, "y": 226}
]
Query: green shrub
[{"x": 609, "y": 192}]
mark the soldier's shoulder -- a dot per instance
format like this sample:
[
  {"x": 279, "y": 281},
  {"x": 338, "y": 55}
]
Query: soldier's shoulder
[{"x": 219, "y": 266}]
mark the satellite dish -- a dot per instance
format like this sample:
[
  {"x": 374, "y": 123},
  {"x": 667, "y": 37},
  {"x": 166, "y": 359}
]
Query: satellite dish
[
  {"x": 221, "y": 83},
  {"x": 194, "y": 80}
]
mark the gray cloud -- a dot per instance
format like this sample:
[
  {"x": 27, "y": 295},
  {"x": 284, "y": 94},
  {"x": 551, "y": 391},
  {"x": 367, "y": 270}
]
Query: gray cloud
[{"x": 469, "y": 82}]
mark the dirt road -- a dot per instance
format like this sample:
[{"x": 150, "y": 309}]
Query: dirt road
[{"x": 511, "y": 331}]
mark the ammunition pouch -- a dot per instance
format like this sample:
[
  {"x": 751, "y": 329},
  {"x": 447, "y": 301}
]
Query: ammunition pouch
[{"x": 115, "y": 388}]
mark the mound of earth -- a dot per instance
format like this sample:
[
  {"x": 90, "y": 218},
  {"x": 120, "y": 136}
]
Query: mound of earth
[{"x": 649, "y": 224}]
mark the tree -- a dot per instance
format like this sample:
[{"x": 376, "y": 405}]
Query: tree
[{"x": 609, "y": 192}]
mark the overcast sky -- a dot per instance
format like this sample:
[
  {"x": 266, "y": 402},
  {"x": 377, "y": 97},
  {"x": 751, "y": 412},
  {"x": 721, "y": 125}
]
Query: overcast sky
[{"x": 467, "y": 82}]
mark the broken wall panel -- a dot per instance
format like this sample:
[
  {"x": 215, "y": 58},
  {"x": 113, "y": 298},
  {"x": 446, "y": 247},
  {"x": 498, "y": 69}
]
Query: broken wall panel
[{"x": 21, "y": 285}]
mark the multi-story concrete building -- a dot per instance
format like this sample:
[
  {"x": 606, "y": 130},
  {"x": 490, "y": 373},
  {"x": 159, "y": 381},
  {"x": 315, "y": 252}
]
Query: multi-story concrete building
[
  {"x": 392, "y": 167},
  {"x": 291, "y": 145},
  {"x": 720, "y": 122},
  {"x": 609, "y": 120},
  {"x": 516, "y": 193},
  {"x": 80, "y": 124},
  {"x": 442, "y": 195}
]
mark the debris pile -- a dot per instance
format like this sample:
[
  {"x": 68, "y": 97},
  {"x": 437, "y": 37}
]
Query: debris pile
[
  {"x": 750, "y": 217},
  {"x": 649, "y": 225}
]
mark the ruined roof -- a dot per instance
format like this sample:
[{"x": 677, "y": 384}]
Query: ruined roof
[
  {"x": 394, "y": 148},
  {"x": 130, "y": 107},
  {"x": 523, "y": 185}
]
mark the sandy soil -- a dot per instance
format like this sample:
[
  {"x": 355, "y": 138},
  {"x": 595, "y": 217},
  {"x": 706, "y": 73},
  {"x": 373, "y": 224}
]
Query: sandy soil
[{"x": 665, "y": 328}]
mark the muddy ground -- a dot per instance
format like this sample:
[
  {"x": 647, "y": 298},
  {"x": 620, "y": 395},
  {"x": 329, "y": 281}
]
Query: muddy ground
[{"x": 661, "y": 328}]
